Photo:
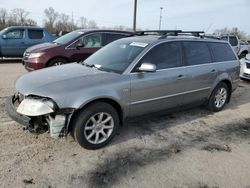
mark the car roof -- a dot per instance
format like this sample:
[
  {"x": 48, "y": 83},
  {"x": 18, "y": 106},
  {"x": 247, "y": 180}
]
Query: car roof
[
  {"x": 102, "y": 30},
  {"x": 24, "y": 27}
]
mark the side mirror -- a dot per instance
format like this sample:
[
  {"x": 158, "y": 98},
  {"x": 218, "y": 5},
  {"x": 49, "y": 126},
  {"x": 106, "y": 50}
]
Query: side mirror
[
  {"x": 147, "y": 67},
  {"x": 4, "y": 36},
  {"x": 248, "y": 56},
  {"x": 79, "y": 45}
]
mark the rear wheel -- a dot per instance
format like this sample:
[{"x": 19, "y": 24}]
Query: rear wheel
[
  {"x": 219, "y": 97},
  {"x": 57, "y": 62},
  {"x": 95, "y": 126}
]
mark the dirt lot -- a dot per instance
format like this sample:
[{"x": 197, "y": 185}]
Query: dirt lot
[{"x": 193, "y": 148}]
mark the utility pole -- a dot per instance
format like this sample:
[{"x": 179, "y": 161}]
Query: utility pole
[
  {"x": 161, "y": 8},
  {"x": 135, "y": 13}
]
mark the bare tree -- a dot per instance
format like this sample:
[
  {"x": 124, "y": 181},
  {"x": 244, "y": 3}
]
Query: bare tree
[
  {"x": 20, "y": 16},
  {"x": 234, "y": 31},
  {"x": 92, "y": 24},
  {"x": 65, "y": 23},
  {"x": 83, "y": 22},
  {"x": 51, "y": 17},
  {"x": 30, "y": 22},
  {"x": 3, "y": 18}
]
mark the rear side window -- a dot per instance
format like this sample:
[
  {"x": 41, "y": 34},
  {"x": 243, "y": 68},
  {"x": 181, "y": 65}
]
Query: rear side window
[
  {"x": 110, "y": 37},
  {"x": 196, "y": 53},
  {"x": 233, "y": 41},
  {"x": 35, "y": 34},
  {"x": 166, "y": 55},
  {"x": 222, "y": 52}
]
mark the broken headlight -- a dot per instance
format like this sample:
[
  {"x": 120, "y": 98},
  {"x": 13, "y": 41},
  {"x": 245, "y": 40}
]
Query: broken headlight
[{"x": 36, "y": 107}]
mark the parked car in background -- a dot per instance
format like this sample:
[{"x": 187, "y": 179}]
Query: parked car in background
[
  {"x": 245, "y": 67},
  {"x": 129, "y": 77},
  {"x": 75, "y": 46},
  {"x": 15, "y": 40},
  {"x": 240, "y": 49}
]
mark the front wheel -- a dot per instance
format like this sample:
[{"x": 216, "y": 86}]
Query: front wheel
[
  {"x": 57, "y": 62},
  {"x": 219, "y": 97},
  {"x": 95, "y": 126}
]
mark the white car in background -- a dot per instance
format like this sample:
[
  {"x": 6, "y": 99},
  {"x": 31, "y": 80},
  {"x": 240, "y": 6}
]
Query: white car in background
[{"x": 245, "y": 67}]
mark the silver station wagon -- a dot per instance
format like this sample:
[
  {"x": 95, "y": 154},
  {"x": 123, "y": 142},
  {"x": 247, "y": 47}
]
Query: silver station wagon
[{"x": 129, "y": 77}]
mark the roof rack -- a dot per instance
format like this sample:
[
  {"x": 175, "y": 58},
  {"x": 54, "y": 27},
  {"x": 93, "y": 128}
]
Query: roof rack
[
  {"x": 165, "y": 33},
  {"x": 157, "y": 32}
]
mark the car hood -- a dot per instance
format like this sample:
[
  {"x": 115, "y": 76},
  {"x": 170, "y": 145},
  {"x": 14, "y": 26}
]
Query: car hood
[
  {"x": 57, "y": 82},
  {"x": 42, "y": 47}
]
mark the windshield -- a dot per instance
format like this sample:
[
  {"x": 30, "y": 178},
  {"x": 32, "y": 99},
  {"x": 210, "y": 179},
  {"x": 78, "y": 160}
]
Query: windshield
[
  {"x": 115, "y": 57},
  {"x": 68, "y": 37},
  {"x": 3, "y": 31}
]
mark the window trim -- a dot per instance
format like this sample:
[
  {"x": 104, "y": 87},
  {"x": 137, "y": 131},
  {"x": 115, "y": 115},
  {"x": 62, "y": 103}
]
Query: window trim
[{"x": 129, "y": 70}]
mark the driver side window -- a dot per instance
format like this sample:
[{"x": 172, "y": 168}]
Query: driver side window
[
  {"x": 92, "y": 40},
  {"x": 15, "y": 34},
  {"x": 166, "y": 55}
]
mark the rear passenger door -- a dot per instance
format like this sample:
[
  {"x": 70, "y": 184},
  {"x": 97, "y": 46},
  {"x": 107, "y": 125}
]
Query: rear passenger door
[
  {"x": 201, "y": 72},
  {"x": 154, "y": 91}
]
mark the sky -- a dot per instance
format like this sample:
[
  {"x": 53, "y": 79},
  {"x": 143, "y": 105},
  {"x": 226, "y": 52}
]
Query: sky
[{"x": 206, "y": 15}]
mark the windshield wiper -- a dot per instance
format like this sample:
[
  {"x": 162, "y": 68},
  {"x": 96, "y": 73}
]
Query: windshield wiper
[{"x": 90, "y": 65}]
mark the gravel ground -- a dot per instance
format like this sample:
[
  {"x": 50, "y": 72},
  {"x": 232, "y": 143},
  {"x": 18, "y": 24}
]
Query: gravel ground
[{"x": 193, "y": 148}]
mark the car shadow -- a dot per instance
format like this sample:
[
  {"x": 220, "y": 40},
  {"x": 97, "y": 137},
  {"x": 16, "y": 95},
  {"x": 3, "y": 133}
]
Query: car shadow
[{"x": 10, "y": 60}]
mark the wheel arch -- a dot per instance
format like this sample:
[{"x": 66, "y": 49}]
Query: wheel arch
[{"x": 110, "y": 101}]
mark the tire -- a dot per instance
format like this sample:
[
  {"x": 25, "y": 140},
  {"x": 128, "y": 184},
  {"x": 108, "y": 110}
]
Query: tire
[
  {"x": 219, "y": 97},
  {"x": 84, "y": 126},
  {"x": 57, "y": 62}
]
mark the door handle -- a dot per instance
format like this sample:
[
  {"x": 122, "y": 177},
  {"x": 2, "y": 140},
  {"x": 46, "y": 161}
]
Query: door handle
[
  {"x": 180, "y": 77},
  {"x": 213, "y": 71}
]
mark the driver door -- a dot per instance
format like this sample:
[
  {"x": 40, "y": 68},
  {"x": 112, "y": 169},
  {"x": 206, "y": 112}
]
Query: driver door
[
  {"x": 13, "y": 43},
  {"x": 155, "y": 91}
]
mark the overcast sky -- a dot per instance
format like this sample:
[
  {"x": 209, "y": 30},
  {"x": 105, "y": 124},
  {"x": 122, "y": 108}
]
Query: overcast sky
[{"x": 206, "y": 15}]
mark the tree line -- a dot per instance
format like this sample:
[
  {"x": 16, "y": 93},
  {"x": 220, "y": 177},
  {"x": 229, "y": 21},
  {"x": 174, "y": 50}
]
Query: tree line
[
  {"x": 53, "y": 20},
  {"x": 57, "y": 22}
]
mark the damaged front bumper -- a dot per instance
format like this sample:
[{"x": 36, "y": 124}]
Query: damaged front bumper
[{"x": 56, "y": 122}]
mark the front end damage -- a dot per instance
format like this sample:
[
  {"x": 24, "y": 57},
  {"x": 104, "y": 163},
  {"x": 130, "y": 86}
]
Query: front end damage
[{"x": 39, "y": 115}]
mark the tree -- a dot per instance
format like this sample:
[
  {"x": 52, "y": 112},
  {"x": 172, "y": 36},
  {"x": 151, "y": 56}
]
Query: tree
[
  {"x": 92, "y": 24},
  {"x": 51, "y": 17},
  {"x": 3, "y": 18},
  {"x": 83, "y": 22},
  {"x": 232, "y": 31},
  {"x": 64, "y": 23},
  {"x": 20, "y": 16}
]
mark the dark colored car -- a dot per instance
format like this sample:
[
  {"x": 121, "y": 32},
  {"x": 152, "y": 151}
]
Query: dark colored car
[
  {"x": 15, "y": 40},
  {"x": 75, "y": 46}
]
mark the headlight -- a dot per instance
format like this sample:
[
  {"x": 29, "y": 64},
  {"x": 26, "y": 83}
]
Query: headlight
[
  {"x": 35, "y": 107},
  {"x": 35, "y": 55}
]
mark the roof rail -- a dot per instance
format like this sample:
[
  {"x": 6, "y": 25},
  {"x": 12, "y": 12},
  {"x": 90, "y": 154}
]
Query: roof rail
[
  {"x": 157, "y": 32},
  {"x": 200, "y": 34}
]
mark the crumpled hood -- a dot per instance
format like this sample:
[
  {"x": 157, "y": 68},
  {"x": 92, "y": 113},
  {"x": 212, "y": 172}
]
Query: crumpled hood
[
  {"x": 42, "y": 47},
  {"x": 60, "y": 81}
]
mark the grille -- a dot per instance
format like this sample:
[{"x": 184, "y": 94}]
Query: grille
[{"x": 248, "y": 65}]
